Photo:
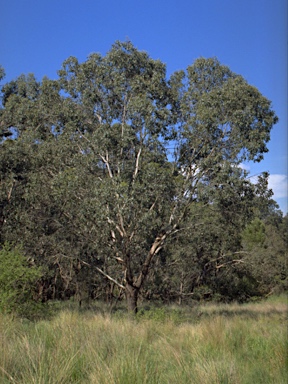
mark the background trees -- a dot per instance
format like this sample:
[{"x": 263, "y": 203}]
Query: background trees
[{"x": 112, "y": 170}]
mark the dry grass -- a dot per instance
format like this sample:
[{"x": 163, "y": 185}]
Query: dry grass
[{"x": 225, "y": 344}]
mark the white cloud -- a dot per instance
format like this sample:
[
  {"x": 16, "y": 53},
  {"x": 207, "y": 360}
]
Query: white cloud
[
  {"x": 279, "y": 185},
  {"x": 245, "y": 167}
]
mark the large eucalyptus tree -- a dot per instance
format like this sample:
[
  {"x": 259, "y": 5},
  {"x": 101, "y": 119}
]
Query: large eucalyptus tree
[{"x": 124, "y": 154}]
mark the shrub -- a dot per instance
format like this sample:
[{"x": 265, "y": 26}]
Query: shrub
[{"x": 17, "y": 282}]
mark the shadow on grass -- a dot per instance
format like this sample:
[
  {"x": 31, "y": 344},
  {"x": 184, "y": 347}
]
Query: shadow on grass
[
  {"x": 177, "y": 314},
  {"x": 246, "y": 313}
]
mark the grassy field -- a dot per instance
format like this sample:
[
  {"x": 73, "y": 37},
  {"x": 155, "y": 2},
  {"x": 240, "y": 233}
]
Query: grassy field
[{"x": 207, "y": 345}]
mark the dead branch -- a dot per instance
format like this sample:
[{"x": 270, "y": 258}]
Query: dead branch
[
  {"x": 110, "y": 278},
  {"x": 104, "y": 274}
]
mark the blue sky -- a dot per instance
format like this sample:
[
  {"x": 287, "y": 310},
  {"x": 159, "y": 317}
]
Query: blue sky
[{"x": 250, "y": 36}]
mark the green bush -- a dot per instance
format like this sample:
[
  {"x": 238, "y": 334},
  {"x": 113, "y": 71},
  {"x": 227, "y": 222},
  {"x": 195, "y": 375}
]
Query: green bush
[{"x": 17, "y": 282}]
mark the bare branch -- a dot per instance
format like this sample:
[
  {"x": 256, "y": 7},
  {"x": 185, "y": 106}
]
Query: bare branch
[
  {"x": 122, "y": 224},
  {"x": 10, "y": 191},
  {"x": 155, "y": 248},
  {"x": 113, "y": 236},
  {"x": 98, "y": 117},
  {"x": 230, "y": 262},
  {"x": 153, "y": 205},
  {"x": 225, "y": 255},
  {"x": 105, "y": 274},
  {"x": 137, "y": 164},
  {"x": 126, "y": 102},
  {"x": 118, "y": 259},
  {"x": 106, "y": 162},
  {"x": 116, "y": 226},
  {"x": 110, "y": 278}
]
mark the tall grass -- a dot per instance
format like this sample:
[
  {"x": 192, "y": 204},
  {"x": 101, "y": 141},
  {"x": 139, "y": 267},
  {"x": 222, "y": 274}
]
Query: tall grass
[{"x": 221, "y": 344}]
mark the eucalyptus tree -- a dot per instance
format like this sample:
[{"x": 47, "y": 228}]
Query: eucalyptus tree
[
  {"x": 207, "y": 258},
  {"x": 223, "y": 121},
  {"x": 103, "y": 135},
  {"x": 121, "y": 102},
  {"x": 128, "y": 112},
  {"x": 29, "y": 156}
]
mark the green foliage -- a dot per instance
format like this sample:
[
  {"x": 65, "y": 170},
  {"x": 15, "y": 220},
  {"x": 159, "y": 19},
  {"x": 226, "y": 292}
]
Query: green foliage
[
  {"x": 254, "y": 234},
  {"x": 90, "y": 187},
  {"x": 17, "y": 282},
  {"x": 267, "y": 253},
  {"x": 2, "y": 72}
]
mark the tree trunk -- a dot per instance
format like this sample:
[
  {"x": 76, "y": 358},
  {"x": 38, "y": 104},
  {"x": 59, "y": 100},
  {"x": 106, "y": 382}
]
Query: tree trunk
[
  {"x": 133, "y": 286},
  {"x": 131, "y": 293}
]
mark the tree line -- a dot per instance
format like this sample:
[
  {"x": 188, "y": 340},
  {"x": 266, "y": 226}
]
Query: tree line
[{"x": 118, "y": 182}]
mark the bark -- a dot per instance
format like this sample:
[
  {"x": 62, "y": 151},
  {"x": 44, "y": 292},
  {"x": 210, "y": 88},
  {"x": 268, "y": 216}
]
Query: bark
[
  {"x": 131, "y": 293},
  {"x": 133, "y": 284}
]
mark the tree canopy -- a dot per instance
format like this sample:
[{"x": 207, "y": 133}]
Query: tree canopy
[{"x": 113, "y": 169}]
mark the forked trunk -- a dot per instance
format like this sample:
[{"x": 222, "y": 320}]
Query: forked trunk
[
  {"x": 133, "y": 286},
  {"x": 131, "y": 298}
]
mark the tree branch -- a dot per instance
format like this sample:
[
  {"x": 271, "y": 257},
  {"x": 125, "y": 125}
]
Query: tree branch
[
  {"x": 106, "y": 162},
  {"x": 237, "y": 261},
  {"x": 116, "y": 226},
  {"x": 104, "y": 274},
  {"x": 137, "y": 164},
  {"x": 110, "y": 278},
  {"x": 155, "y": 248}
]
